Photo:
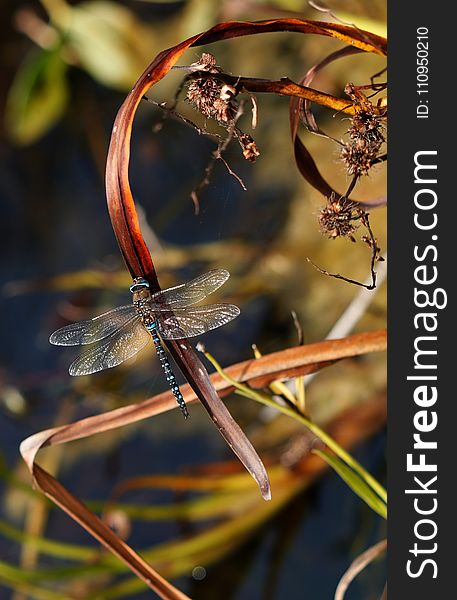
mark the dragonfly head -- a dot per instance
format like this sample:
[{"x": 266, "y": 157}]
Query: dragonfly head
[{"x": 140, "y": 289}]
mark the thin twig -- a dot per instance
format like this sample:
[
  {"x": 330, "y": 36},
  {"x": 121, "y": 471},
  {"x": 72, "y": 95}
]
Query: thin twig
[
  {"x": 172, "y": 108},
  {"x": 233, "y": 174},
  {"x": 178, "y": 116},
  {"x": 339, "y": 276},
  {"x": 378, "y": 74},
  {"x": 375, "y": 250},
  {"x": 353, "y": 313},
  {"x": 357, "y": 308},
  {"x": 217, "y": 155}
]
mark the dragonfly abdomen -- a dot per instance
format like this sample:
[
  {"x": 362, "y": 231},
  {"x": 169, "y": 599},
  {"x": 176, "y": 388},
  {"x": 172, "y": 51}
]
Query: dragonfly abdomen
[{"x": 166, "y": 366}]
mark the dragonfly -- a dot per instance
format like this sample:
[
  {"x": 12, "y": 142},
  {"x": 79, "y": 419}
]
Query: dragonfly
[{"x": 119, "y": 334}]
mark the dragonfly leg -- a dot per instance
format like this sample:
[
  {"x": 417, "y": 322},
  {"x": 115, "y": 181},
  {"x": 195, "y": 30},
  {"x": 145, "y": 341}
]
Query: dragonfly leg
[{"x": 166, "y": 366}]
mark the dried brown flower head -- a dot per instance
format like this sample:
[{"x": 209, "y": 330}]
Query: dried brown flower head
[
  {"x": 206, "y": 62},
  {"x": 366, "y": 134},
  {"x": 339, "y": 218},
  {"x": 248, "y": 145},
  {"x": 212, "y": 98},
  {"x": 217, "y": 100}
]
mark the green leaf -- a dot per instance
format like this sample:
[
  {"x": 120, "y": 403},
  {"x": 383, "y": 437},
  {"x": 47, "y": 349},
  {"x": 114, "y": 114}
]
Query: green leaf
[
  {"x": 50, "y": 547},
  {"x": 198, "y": 15},
  {"x": 38, "y": 96},
  {"x": 108, "y": 41},
  {"x": 357, "y": 485},
  {"x": 13, "y": 577},
  {"x": 354, "y": 466}
]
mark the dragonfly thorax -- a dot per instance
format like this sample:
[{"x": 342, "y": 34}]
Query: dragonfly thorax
[
  {"x": 141, "y": 300},
  {"x": 140, "y": 291}
]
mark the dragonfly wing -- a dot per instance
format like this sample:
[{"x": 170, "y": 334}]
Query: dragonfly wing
[
  {"x": 191, "y": 292},
  {"x": 183, "y": 323},
  {"x": 114, "y": 350},
  {"x": 93, "y": 330}
]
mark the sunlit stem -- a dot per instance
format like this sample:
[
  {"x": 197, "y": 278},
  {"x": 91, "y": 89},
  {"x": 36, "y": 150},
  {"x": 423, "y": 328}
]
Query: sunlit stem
[
  {"x": 300, "y": 394},
  {"x": 320, "y": 433}
]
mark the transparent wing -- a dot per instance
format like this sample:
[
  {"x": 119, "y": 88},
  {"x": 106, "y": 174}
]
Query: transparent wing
[
  {"x": 191, "y": 292},
  {"x": 93, "y": 330},
  {"x": 182, "y": 323},
  {"x": 114, "y": 350}
]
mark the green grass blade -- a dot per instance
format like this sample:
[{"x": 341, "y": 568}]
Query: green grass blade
[
  {"x": 247, "y": 392},
  {"x": 357, "y": 485}
]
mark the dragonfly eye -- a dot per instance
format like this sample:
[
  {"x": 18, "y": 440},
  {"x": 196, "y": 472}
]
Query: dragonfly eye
[{"x": 139, "y": 284}]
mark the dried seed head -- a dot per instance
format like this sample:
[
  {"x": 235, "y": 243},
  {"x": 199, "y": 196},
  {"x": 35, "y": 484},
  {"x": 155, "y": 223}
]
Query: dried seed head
[
  {"x": 207, "y": 62},
  {"x": 249, "y": 147},
  {"x": 205, "y": 95},
  {"x": 366, "y": 134},
  {"x": 358, "y": 157},
  {"x": 224, "y": 111},
  {"x": 217, "y": 100},
  {"x": 209, "y": 96},
  {"x": 338, "y": 218},
  {"x": 368, "y": 126}
]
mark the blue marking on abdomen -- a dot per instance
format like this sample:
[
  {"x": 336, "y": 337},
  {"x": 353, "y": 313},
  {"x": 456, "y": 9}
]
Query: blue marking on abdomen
[{"x": 166, "y": 366}]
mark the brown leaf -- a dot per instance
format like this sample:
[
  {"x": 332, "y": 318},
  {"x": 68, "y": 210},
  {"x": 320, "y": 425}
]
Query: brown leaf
[
  {"x": 309, "y": 77},
  {"x": 299, "y": 360},
  {"x": 79, "y": 512}
]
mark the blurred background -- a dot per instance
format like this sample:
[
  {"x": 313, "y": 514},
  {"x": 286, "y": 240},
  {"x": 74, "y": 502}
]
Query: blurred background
[{"x": 66, "y": 68}]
